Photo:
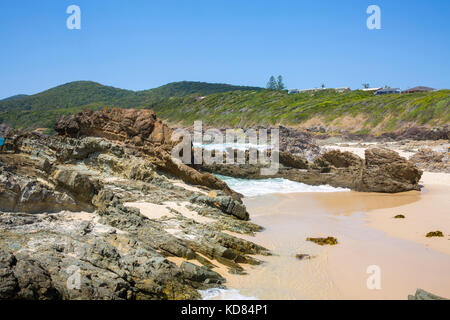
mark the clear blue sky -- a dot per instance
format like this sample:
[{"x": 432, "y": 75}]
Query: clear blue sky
[{"x": 141, "y": 44}]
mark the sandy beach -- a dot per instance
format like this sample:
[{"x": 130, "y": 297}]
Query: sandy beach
[{"x": 368, "y": 235}]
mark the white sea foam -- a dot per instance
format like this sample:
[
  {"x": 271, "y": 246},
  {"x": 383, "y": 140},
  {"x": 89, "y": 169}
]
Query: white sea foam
[
  {"x": 239, "y": 146},
  {"x": 223, "y": 294},
  {"x": 256, "y": 187}
]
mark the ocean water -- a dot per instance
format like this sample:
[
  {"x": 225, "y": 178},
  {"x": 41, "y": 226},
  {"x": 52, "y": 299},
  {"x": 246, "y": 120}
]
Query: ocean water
[
  {"x": 258, "y": 187},
  {"x": 223, "y": 294}
]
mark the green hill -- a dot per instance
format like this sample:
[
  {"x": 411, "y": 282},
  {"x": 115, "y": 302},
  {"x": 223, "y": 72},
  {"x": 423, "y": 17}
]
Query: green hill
[
  {"x": 42, "y": 109},
  {"x": 354, "y": 111},
  {"x": 17, "y": 96},
  {"x": 226, "y": 105}
]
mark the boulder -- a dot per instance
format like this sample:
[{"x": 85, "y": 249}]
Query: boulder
[{"x": 386, "y": 171}]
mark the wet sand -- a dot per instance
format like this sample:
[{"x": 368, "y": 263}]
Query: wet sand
[{"x": 367, "y": 235}]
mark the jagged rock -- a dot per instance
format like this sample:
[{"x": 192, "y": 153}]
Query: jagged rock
[
  {"x": 298, "y": 142},
  {"x": 24, "y": 278},
  {"x": 420, "y": 133},
  {"x": 201, "y": 274},
  {"x": 80, "y": 185},
  {"x": 338, "y": 159},
  {"x": 22, "y": 193},
  {"x": 424, "y": 295},
  {"x": 118, "y": 251},
  {"x": 226, "y": 203},
  {"x": 386, "y": 171},
  {"x": 382, "y": 171},
  {"x": 294, "y": 161},
  {"x": 140, "y": 129},
  {"x": 116, "y": 124},
  {"x": 430, "y": 160}
]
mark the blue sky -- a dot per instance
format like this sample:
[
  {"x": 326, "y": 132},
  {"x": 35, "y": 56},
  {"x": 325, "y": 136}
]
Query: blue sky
[{"x": 142, "y": 44}]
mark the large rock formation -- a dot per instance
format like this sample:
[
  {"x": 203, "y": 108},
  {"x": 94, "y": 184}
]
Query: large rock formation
[
  {"x": 382, "y": 170},
  {"x": 70, "y": 226},
  {"x": 139, "y": 129},
  {"x": 385, "y": 171}
]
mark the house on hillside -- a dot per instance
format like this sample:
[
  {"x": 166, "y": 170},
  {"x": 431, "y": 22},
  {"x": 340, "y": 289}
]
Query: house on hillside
[
  {"x": 311, "y": 90},
  {"x": 419, "y": 89},
  {"x": 293, "y": 91},
  {"x": 371, "y": 89},
  {"x": 387, "y": 91},
  {"x": 342, "y": 89}
]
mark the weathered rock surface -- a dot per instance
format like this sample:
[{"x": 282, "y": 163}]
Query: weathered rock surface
[
  {"x": 420, "y": 133},
  {"x": 138, "y": 126},
  {"x": 386, "y": 171},
  {"x": 298, "y": 142},
  {"x": 382, "y": 170},
  {"x": 141, "y": 130},
  {"x": 424, "y": 295},
  {"x": 430, "y": 160},
  {"x": 66, "y": 233}
]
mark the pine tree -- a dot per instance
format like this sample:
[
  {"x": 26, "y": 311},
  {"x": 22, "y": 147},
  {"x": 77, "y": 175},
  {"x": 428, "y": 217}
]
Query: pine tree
[
  {"x": 272, "y": 84},
  {"x": 280, "y": 84}
]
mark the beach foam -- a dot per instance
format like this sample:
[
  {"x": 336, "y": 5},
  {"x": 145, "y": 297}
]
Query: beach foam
[
  {"x": 255, "y": 187},
  {"x": 223, "y": 294},
  {"x": 223, "y": 146}
]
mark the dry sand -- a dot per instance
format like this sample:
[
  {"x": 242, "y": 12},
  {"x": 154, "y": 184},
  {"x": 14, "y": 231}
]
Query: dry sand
[
  {"x": 368, "y": 235},
  {"x": 158, "y": 211},
  {"x": 430, "y": 213}
]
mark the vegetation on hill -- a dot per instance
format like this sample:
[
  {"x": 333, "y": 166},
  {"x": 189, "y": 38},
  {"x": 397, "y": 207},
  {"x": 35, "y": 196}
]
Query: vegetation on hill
[
  {"x": 42, "y": 109},
  {"x": 226, "y": 105},
  {"x": 17, "y": 96},
  {"x": 362, "y": 110}
]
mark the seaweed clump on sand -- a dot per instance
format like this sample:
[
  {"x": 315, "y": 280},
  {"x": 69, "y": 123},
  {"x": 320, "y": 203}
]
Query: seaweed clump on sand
[
  {"x": 434, "y": 234},
  {"x": 324, "y": 241}
]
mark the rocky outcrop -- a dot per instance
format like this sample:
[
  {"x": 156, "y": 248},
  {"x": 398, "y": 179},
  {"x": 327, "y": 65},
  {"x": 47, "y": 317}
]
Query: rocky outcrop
[
  {"x": 139, "y": 127},
  {"x": 424, "y": 295},
  {"x": 298, "y": 142},
  {"x": 419, "y": 133},
  {"x": 385, "y": 171},
  {"x": 382, "y": 170},
  {"x": 141, "y": 130},
  {"x": 67, "y": 232},
  {"x": 430, "y": 160}
]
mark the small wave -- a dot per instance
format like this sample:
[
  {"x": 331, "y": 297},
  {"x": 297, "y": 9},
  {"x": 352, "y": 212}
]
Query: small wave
[
  {"x": 223, "y": 294},
  {"x": 239, "y": 146},
  {"x": 256, "y": 187}
]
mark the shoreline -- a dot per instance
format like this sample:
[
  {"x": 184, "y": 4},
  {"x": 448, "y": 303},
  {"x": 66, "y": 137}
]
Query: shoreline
[{"x": 363, "y": 225}]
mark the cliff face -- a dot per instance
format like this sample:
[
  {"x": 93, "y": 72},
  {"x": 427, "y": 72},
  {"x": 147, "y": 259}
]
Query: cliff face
[{"x": 69, "y": 212}]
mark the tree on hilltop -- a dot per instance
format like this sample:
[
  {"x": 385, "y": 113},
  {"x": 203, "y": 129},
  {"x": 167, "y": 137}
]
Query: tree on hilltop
[
  {"x": 280, "y": 84},
  {"x": 272, "y": 84}
]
